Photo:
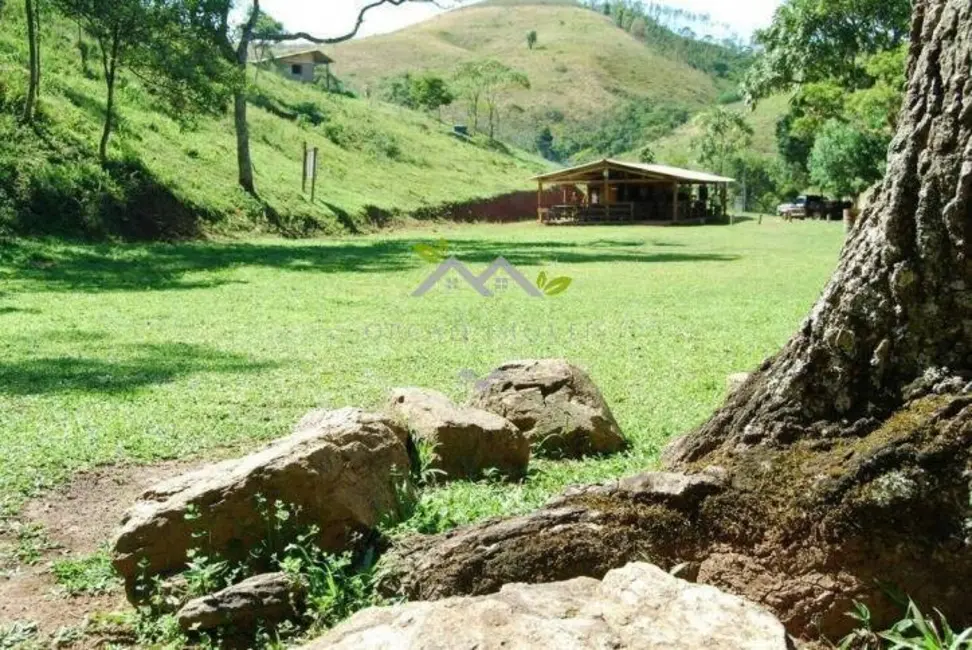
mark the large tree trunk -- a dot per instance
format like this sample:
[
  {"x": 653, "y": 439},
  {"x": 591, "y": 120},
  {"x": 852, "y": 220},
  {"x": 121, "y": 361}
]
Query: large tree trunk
[
  {"x": 842, "y": 466},
  {"x": 899, "y": 306}
]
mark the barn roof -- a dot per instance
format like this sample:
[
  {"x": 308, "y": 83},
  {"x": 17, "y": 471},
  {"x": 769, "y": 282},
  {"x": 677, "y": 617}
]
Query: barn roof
[
  {"x": 654, "y": 172},
  {"x": 289, "y": 55}
]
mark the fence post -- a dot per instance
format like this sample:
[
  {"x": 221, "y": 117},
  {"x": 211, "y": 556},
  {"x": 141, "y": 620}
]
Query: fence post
[{"x": 314, "y": 174}]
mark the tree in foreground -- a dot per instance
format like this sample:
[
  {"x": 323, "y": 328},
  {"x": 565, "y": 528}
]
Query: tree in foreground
[{"x": 840, "y": 470}]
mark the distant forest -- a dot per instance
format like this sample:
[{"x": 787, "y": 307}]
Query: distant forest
[{"x": 670, "y": 31}]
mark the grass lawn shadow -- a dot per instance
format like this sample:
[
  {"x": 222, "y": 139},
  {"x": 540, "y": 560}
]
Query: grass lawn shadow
[
  {"x": 148, "y": 364},
  {"x": 58, "y": 266}
]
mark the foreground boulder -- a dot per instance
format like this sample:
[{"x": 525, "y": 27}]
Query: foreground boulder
[
  {"x": 265, "y": 599},
  {"x": 343, "y": 469},
  {"x": 467, "y": 440},
  {"x": 555, "y": 404},
  {"x": 638, "y": 606}
]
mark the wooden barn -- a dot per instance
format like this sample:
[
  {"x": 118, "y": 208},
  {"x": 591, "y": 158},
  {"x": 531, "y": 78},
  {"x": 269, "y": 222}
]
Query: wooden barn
[{"x": 615, "y": 191}]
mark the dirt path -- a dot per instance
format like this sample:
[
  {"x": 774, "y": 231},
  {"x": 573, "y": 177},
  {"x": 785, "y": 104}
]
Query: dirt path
[{"x": 75, "y": 520}]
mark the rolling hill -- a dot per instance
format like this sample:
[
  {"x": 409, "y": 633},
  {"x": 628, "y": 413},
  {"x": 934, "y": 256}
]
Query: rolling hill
[
  {"x": 582, "y": 68},
  {"x": 173, "y": 179},
  {"x": 675, "y": 148}
]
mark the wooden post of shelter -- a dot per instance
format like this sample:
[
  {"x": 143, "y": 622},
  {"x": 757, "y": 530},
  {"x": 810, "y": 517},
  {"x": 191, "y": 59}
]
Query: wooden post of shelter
[
  {"x": 674, "y": 201},
  {"x": 606, "y": 196},
  {"x": 539, "y": 201},
  {"x": 724, "y": 198}
]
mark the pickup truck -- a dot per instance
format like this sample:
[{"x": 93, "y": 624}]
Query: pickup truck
[{"x": 813, "y": 207}]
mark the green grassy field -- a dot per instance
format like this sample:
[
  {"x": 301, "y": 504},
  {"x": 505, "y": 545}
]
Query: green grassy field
[{"x": 118, "y": 353}]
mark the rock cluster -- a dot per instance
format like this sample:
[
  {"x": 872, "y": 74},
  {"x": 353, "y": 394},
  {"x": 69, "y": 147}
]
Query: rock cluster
[{"x": 345, "y": 471}]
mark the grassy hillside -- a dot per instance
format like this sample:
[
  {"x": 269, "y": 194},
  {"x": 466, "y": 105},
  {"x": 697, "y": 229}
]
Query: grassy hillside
[
  {"x": 376, "y": 159},
  {"x": 676, "y": 149},
  {"x": 582, "y": 67}
]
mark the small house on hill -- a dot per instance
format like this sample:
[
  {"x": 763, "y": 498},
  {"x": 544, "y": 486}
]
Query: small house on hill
[
  {"x": 300, "y": 65},
  {"x": 616, "y": 191}
]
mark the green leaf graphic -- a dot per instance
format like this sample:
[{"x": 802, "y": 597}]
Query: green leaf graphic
[
  {"x": 557, "y": 286},
  {"x": 542, "y": 280},
  {"x": 429, "y": 253}
]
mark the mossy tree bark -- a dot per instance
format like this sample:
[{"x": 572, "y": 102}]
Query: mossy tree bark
[{"x": 899, "y": 305}]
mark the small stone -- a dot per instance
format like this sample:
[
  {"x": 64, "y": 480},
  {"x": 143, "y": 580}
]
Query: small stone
[{"x": 265, "y": 599}]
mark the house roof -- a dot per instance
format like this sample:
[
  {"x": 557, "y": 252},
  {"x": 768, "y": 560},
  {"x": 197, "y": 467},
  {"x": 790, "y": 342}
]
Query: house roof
[
  {"x": 655, "y": 172},
  {"x": 287, "y": 56}
]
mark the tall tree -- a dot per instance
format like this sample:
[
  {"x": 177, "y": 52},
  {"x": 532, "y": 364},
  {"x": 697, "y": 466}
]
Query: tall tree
[
  {"x": 488, "y": 80},
  {"x": 843, "y": 157},
  {"x": 822, "y": 40},
  {"x": 725, "y": 135},
  {"x": 840, "y": 468},
  {"x": 32, "y": 16},
  {"x": 159, "y": 42}
]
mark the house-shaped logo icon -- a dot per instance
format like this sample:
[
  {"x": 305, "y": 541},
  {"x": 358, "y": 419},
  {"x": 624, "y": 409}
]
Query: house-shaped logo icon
[{"x": 478, "y": 282}]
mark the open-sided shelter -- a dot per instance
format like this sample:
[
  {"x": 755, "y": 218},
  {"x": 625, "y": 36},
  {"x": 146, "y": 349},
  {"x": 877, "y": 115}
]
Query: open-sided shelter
[{"x": 616, "y": 191}]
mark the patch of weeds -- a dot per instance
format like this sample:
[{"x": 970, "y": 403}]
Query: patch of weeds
[
  {"x": 32, "y": 543},
  {"x": 19, "y": 634},
  {"x": 425, "y": 472},
  {"x": 67, "y": 636},
  {"x": 141, "y": 628},
  {"x": 918, "y": 632},
  {"x": 337, "y": 585},
  {"x": 914, "y": 631},
  {"x": 91, "y": 576},
  {"x": 863, "y": 637}
]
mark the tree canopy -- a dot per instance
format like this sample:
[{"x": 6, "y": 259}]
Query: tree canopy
[{"x": 811, "y": 41}]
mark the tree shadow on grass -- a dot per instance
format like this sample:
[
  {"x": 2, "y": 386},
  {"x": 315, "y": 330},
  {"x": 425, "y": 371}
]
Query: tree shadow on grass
[
  {"x": 18, "y": 310},
  {"x": 59, "y": 266},
  {"x": 148, "y": 365}
]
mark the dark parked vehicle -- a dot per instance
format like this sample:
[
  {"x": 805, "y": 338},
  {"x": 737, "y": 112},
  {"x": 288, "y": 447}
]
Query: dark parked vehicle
[{"x": 813, "y": 207}]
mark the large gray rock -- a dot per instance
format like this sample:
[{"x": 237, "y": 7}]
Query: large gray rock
[
  {"x": 467, "y": 440},
  {"x": 265, "y": 599},
  {"x": 639, "y": 607},
  {"x": 344, "y": 469},
  {"x": 555, "y": 404}
]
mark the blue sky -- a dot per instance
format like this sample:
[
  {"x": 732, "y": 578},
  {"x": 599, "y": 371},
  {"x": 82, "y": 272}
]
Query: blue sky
[{"x": 332, "y": 17}]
